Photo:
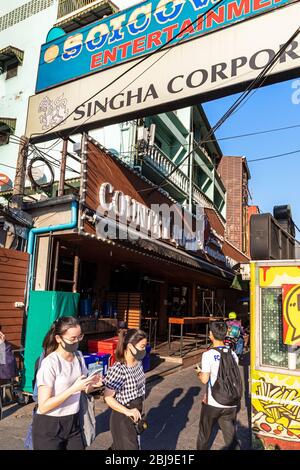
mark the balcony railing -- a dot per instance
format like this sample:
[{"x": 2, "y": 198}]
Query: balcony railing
[
  {"x": 218, "y": 181},
  {"x": 65, "y": 7},
  {"x": 200, "y": 198},
  {"x": 163, "y": 163}
]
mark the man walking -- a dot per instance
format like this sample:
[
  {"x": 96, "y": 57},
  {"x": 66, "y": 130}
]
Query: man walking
[
  {"x": 235, "y": 334},
  {"x": 213, "y": 412}
]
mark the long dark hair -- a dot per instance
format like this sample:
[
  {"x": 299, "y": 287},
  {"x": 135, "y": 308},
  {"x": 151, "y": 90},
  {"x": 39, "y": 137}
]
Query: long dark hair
[
  {"x": 132, "y": 336},
  {"x": 59, "y": 327}
]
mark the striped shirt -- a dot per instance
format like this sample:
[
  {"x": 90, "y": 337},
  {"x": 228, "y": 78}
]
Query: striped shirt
[{"x": 128, "y": 382}]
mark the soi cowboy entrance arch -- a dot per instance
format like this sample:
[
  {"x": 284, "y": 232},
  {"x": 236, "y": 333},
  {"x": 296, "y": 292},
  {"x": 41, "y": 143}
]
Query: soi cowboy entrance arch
[{"x": 210, "y": 56}]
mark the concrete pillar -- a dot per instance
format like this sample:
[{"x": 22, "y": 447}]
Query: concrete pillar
[
  {"x": 193, "y": 299},
  {"x": 19, "y": 183},
  {"x": 162, "y": 314}
]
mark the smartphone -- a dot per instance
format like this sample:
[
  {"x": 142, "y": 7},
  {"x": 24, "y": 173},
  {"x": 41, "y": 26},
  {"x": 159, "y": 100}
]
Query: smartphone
[{"x": 96, "y": 371}]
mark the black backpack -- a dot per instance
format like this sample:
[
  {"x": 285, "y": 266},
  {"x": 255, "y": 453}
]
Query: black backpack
[{"x": 228, "y": 388}]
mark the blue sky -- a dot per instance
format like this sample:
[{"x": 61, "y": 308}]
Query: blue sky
[{"x": 275, "y": 181}]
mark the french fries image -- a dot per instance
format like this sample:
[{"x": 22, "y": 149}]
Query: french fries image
[
  {"x": 276, "y": 393},
  {"x": 279, "y": 402}
]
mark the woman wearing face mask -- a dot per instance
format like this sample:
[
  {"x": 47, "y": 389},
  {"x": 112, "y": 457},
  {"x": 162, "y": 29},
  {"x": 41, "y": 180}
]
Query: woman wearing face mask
[
  {"x": 60, "y": 380},
  {"x": 125, "y": 389}
]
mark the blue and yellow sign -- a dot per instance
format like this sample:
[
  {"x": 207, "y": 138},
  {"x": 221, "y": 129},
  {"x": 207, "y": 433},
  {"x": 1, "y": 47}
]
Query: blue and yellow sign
[{"x": 138, "y": 31}]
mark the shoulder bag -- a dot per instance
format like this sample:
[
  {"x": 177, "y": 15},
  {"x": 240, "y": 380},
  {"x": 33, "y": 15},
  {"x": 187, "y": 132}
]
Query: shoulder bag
[{"x": 87, "y": 414}]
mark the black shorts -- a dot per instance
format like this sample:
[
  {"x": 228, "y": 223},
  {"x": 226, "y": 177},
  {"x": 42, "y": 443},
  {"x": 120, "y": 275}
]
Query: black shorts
[{"x": 56, "y": 432}]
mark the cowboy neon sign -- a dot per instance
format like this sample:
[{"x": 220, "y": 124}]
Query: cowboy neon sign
[{"x": 138, "y": 31}]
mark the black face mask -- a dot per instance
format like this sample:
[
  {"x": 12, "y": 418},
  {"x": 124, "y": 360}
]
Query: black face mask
[
  {"x": 70, "y": 348},
  {"x": 139, "y": 355}
]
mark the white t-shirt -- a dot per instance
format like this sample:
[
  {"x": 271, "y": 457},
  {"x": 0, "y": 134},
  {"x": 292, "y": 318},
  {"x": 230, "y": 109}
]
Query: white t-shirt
[
  {"x": 59, "y": 374},
  {"x": 210, "y": 364}
]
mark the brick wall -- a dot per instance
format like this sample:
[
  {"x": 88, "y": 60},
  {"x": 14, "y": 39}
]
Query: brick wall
[{"x": 231, "y": 172}]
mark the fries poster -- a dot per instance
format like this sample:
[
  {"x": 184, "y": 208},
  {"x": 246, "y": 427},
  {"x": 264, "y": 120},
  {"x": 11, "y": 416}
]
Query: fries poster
[{"x": 291, "y": 314}]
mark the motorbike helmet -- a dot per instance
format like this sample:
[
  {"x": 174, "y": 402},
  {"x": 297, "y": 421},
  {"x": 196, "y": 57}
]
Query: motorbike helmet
[{"x": 232, "y": 316}]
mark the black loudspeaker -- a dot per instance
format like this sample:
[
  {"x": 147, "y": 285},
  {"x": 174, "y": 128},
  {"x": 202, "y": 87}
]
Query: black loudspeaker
[
  {"x": 283, "y": 214},
  {"x": 269, "y": 240},
  {"x": 260, "y": 244}
]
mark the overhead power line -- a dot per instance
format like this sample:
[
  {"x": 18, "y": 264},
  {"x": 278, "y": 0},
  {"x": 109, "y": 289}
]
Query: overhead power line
[
  {"x": 7, "y": 166},
  {"x": 296, "y": 227},
  {"x": 250, "y": 134},
  {"x": 270, "y": 157}
]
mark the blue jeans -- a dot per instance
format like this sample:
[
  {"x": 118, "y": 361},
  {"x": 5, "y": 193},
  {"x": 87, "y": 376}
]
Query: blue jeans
[{"x": 239, "y": 346}]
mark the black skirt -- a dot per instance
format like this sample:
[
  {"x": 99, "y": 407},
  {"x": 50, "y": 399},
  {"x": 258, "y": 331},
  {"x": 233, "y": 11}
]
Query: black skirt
[{"x": 123, "y": 429}]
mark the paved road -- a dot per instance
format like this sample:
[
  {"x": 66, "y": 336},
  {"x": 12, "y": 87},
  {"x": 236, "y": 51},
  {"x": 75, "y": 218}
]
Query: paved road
[{"x": 173, "y": 409}]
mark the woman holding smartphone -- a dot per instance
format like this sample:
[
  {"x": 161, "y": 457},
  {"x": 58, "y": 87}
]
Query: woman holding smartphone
[
  {"x": 125, "y": 389},
  {"x": 60, "y": 380}
]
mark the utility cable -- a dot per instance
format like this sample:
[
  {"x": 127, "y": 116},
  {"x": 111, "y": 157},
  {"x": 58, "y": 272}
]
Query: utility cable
[
  {"x": 250, "y": 134},
  {"x": 296, "y": 227},
  {"x": 273, "y": 156},
  {"x": 8, "y": 166},
  {"x": 52, "y": 160}
]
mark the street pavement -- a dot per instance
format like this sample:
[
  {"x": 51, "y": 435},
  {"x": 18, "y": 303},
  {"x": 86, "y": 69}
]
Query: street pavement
[{"x": 173, "y": 406}]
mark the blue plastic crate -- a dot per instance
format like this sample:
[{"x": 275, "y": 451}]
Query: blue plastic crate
[
  {"x": 146, "y": 360},
  {"x": 85, "y": 307},
  {"x": 95, "y": 361}
]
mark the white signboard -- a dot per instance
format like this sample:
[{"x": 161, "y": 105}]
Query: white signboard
[{"x": 199, "y": 69}]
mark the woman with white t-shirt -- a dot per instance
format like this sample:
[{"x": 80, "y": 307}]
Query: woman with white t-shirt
[
  {"x": 60, "y": 380},
  {"x": 212, "y": 412}
]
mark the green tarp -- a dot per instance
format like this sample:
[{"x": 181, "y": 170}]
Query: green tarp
[
  {"x": 44, "y": 308},
  {"x": 239, "y": 284}
]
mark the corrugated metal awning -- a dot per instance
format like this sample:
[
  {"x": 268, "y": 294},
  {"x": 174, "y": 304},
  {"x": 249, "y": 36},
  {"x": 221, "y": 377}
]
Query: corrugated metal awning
[
  {"x": 7, "y": 123},
  {"x": 9, "y": 52},
  {"x": 87, "y": 15}
]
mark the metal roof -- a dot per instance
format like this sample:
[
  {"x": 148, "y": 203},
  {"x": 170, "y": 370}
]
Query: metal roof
[
  {"x": 7, "y": 122},
  {"x": 10, "y": 52},
  {"x": 84, "y": 16}
]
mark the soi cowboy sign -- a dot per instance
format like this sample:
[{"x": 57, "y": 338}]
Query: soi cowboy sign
[
  {"x": 206, "y": 67},
  {"x": 137, "y": 31}
]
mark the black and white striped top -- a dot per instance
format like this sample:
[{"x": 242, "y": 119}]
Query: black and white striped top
[{"x": 128, "y": 382}]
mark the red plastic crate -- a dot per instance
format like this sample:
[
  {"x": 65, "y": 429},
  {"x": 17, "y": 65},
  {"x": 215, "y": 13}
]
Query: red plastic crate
[
  {"x": 107, "y": 346},
  {"x": 114, "y": 339}
]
